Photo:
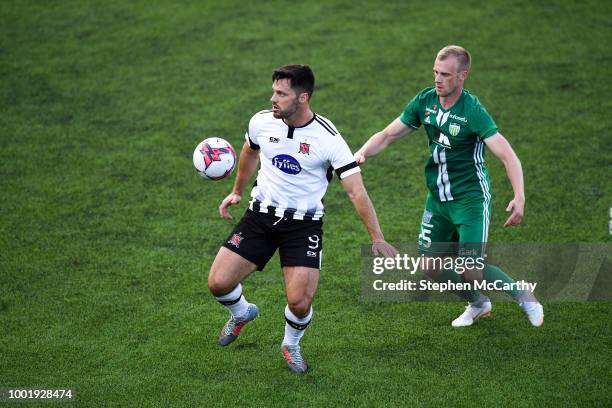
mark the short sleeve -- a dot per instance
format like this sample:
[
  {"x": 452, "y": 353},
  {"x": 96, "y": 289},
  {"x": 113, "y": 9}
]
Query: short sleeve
[
  {"x": 410, "y": 115},
  {"x": 251, "y": 133},
  {"x": 482, "y": 123},
  {"x": 341, "y": 158}
]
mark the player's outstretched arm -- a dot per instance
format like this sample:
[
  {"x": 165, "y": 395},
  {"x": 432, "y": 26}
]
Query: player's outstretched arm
[
  {"x": 503, "y": 151},
  {"x": 353, "y": 185},
  {"x": 379, "y": 141},
  {"x": 247, "y": 164}
]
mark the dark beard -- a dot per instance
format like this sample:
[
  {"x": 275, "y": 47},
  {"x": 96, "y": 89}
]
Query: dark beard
[{"x": 287, "y": 113}]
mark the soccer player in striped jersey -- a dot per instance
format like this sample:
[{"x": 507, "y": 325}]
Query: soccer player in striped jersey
[
  {"x": 458, "y": 206},
  {"x": 298, "y": 151}
]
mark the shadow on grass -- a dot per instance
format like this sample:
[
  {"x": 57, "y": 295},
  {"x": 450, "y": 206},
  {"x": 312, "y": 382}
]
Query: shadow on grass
[{"x": 246, "y": 346}]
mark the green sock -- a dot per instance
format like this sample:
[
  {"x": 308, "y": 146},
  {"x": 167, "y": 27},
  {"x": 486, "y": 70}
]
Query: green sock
[
  {"x": 471, "y": 296},
  {"x": 493, "y": 273}
]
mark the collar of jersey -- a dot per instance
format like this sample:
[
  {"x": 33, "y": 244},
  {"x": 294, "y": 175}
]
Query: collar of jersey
[
  {"x": 463, "y": 91},
  {"x": 314, "y": 115}
]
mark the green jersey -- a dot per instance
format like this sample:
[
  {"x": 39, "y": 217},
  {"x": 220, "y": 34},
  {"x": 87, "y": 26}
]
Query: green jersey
[{"x": 456, "y": 167}]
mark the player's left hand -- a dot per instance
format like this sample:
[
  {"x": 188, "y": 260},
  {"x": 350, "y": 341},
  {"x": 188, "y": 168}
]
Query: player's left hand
[
  {"x": 384, "y": 248},
  {"x": 359, "y": 157},
  {"x": 517, "y": 207}
]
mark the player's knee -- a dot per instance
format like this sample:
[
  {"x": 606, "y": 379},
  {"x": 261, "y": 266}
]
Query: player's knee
[
  {"x": 300, "y": 307},
  {"x": 214, "y": 287},
  {"x": 217, "y": 285}
]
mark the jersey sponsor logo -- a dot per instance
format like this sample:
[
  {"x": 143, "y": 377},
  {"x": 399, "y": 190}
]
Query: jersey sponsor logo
[
  {"x": 274, "y": 139},
  {"x": 304, "y": 148},
  {"x": 454, "y": 129},
  {"x": 459, "y": 118},
  {"x": 286, "y": 164}
]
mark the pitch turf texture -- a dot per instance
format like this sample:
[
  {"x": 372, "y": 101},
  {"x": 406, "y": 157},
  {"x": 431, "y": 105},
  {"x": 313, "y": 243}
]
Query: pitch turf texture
[{"x": 106, "y": 233}]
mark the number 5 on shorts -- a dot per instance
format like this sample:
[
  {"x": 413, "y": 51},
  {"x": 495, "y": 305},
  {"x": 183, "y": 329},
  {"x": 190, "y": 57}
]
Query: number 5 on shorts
[{"x": 424, "y": 239}]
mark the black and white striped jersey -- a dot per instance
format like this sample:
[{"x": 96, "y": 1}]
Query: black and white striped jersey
[{"x": 297, "y": 164}]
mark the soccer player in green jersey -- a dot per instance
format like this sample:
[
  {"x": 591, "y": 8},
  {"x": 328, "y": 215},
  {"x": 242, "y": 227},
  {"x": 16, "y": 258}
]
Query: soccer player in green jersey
[{"x": 458, "y": 206}]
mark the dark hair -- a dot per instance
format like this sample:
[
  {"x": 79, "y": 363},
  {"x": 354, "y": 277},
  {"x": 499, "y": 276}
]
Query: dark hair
[{"x": 301, "y": 77}]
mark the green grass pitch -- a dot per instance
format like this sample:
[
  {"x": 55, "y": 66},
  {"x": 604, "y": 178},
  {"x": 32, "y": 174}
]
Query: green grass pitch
[{"x": 106, "y": 233}]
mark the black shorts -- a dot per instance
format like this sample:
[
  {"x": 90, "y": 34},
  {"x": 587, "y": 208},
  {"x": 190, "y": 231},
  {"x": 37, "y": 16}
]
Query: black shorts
[{"x": 258, "y": 235}]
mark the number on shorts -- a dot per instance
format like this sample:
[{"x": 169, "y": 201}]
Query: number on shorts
[
  {"x": 315, "y": 240},
  {"x": 424, "y": 239}
]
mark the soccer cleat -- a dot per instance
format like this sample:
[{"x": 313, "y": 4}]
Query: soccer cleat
[
  {"x": 232, "y": 328},
  {"x": 294, "y": 359},
  {"x": 534, "y": 312},
  {"x": 473, "y": 311}
]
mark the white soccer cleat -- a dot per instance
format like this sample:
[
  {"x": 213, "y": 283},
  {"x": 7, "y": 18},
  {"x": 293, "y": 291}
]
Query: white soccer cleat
[
  {"x": 473, "y": 311},
  {"x": 534, "y": 312}
]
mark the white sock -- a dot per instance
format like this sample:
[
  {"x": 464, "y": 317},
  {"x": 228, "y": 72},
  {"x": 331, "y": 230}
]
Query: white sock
[
  {"x": 295, "y": 327},
  {"x": 234, "y": 301}
]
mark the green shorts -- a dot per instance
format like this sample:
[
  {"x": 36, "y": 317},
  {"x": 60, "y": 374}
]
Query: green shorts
[{"x": 458, "y": 226}]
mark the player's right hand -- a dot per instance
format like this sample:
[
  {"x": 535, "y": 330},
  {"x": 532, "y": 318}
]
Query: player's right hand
[
  {"x": 359, "y": 157},
  {"x": 384, "y": 248},
  {"x": 231, "y": 199}
]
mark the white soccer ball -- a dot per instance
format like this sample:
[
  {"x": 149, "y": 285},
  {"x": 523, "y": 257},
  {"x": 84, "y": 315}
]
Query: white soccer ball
[{"x": 214, "y": 158}]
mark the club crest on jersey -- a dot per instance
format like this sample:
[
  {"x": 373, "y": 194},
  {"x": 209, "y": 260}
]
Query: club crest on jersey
[
  {"x": 236, "y": 239},
  {"x": 286, "y": 164},
  {"x": 427, "y": 216},
  {"x": 304, "y": 148},
  {"x": 454, "y": 129}
]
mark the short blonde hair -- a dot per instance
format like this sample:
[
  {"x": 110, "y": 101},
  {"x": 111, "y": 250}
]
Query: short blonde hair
[{"x": 464, "y": 58}]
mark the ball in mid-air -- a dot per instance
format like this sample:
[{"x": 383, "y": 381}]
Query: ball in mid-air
[{"x": 214, "y": 158}]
